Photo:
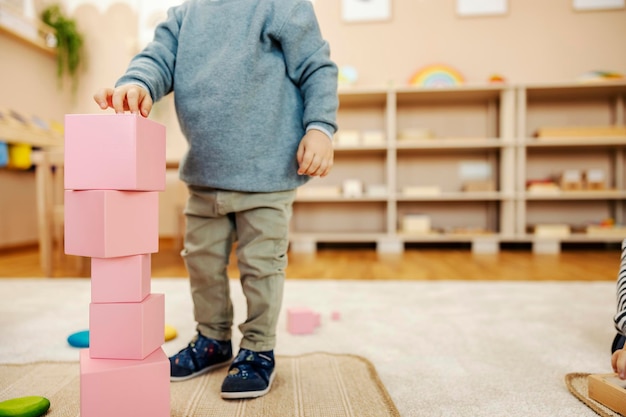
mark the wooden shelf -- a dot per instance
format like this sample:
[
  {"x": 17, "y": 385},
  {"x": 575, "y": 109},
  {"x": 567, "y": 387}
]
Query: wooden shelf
[
  {"x": 19, "y": 129},
  {"x": 32, "y": 33},
  {"x": 488, "y": 125}
]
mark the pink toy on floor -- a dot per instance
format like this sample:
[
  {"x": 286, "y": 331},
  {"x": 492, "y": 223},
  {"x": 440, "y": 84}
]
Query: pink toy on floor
[{"x": 302, "y": 320}]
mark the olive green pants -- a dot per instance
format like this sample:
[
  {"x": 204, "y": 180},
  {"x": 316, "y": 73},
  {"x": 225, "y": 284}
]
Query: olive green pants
[{"x": 259, "y": 223}]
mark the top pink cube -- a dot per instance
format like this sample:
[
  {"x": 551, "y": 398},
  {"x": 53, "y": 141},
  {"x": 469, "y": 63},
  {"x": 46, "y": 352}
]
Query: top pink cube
[{"x": 114, "y": 152}]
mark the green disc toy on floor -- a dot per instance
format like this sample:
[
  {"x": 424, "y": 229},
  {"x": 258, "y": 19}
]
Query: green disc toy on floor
[{"x": 32, "y": 406}]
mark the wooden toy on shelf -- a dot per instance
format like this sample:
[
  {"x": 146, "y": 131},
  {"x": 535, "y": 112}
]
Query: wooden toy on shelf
[
  {"x": 352, "y": 188},
  {"x": 595, "y": 179},
  {"x": 580, "y": 132},
  {"x": 571, "y": 180},
  {"x": 416, "y": 223}
]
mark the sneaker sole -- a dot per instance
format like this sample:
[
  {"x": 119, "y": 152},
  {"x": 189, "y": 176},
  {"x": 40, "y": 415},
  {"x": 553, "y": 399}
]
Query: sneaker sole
[
  {"x": 249, "y": 394},
  {"x": 202, "y": 371}
]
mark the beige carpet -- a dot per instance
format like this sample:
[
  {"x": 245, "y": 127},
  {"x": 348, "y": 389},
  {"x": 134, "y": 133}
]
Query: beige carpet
[
  {"x": 441, "y": 348},
  {"x": 317, "y": 384},
  {"x": 577, "y": 385}
]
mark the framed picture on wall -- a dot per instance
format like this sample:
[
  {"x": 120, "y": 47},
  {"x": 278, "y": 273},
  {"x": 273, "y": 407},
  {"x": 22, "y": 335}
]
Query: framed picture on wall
[
  {"x": 481, "y": 7},
  {"x": 599, "y": 4},
  {"x": 365, "y": 10}
]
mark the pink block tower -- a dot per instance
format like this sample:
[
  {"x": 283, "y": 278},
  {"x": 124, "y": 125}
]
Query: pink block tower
[{"x": 114, "y": 168}]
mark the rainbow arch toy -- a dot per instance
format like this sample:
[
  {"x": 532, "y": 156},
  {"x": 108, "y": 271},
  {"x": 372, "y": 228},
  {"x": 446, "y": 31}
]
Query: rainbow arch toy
[{"x": 438, "y": 75}]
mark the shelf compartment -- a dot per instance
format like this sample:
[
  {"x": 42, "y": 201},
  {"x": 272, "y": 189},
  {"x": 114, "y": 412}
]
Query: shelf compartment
[
  {"x": 339, "y": 218},
  {"x": 550, "y": 163},
  {"x": 450, "y": 113},
  {"x": 435, "y": 167},
  {"x": 584, "y": 105},
  {"x": 577, "y": 213},
  {"x": 363, "y": 110},
  {"x": 449, "y": 216}
]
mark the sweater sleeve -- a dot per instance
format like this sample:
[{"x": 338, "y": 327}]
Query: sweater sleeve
[
  {"x": 309, "y": 66},
  {"x": 153, "y": 67},
  {"x": 620, "y": 316}
]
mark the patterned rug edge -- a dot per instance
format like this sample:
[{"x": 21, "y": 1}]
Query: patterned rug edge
[{"x": 576, "y": 383}]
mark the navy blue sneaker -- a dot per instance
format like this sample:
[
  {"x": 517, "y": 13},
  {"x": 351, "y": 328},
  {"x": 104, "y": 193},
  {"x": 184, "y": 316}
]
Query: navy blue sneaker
[
  {"x": 200, "y": 356},
  {"x": 250, "y": 375}
]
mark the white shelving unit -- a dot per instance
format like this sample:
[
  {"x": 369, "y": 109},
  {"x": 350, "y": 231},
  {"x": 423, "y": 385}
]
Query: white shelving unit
[
  {"x": 570, "y": 106},
  {"x": 431, "y": 138},
  {"x": 468, "y": 125}
]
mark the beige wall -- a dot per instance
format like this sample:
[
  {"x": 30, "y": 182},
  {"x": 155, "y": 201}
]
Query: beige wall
[
  {"x": 537, "y": 41},
  {"x": 28, "y": 84}
]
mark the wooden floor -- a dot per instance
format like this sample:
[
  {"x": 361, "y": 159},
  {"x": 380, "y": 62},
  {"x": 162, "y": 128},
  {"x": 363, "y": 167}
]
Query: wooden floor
[{"x": 449, "y": 263}]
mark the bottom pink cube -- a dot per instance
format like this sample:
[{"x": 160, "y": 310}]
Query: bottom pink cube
[
  {"x": 302, "y": 320},
  {"x": 125, "y": 388}
]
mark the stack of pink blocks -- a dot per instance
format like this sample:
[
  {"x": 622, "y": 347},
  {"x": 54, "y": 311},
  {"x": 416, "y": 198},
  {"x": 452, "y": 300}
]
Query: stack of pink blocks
[{"x": 114, "y": 168}]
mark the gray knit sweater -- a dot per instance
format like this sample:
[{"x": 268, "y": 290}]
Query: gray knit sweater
[{"x": 249, "y": 77}]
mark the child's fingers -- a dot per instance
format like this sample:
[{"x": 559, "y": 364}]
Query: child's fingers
[
  {"x": 103, "y": 97},
  {"x": 146, "y": 105},
  {"x": 119, "y": 100},
  {"x": 319, "y": 167},
  {"x": 305, "y": 164},
  {"x": 618, "y": 361},
  {"x": 132, "y": 100}
]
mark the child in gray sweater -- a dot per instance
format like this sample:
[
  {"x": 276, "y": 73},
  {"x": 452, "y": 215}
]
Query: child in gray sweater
[{"x": 256, "y": 98}]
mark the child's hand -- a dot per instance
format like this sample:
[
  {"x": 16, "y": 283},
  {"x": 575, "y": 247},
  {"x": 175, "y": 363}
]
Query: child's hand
[
  {"x": 618, "y": 361},
  {"x": 315, "y": 154},
  {"x": 129, "y": 97}
]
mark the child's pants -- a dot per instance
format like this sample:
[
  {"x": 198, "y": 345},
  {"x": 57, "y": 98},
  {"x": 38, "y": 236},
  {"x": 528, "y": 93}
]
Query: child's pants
[{"x": 259, "y": 222}]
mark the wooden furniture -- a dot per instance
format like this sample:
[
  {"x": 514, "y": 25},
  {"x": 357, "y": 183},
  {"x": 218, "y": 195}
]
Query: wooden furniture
[
  {"x": 429, "y": 135},
  {"x": 462, "y": 156},
  {"x": 50, "y": 214},
  {"x": 591, "y": 138},
  {"x": 33, "y": 33}
]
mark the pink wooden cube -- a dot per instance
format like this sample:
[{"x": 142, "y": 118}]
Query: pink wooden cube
[
  {"x": 302, "y": 320},
  {"x": 114, "y": 152},
  {"x": 125, "y": 388},
  {"x": 126, "y": 330},
  {"x": 108, "y": 223},
  {"x": 120, "y": 280}
]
